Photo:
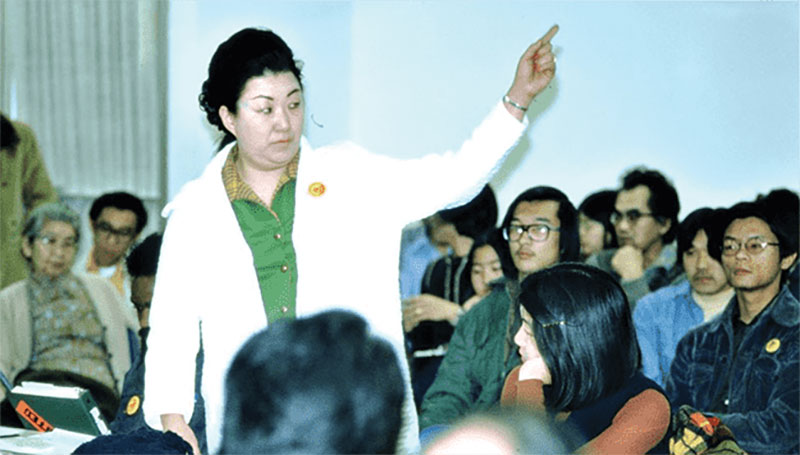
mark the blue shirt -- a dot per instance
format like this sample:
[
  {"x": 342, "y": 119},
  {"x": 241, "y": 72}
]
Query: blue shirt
[{"x": 662, "y": 318}]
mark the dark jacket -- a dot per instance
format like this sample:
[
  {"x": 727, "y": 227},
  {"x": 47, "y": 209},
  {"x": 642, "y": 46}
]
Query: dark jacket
[
  {"x": 130, "y": 417},
  {"x": 763, "y": 396},
  {"x": 480, "y": 356}
]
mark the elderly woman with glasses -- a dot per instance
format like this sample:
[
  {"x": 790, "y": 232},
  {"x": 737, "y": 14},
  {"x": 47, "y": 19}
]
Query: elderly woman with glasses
[{"x": 63, "y": 328}]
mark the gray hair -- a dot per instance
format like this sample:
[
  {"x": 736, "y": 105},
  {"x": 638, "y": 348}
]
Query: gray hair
[{"x": 53, "y": 211}]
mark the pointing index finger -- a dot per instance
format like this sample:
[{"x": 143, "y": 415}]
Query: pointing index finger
[{"x": 550, "y": 34}]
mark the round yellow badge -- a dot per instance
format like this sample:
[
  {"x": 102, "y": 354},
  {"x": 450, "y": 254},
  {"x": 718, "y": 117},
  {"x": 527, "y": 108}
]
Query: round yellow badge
[
  {"x": 773, "y": 345},
  {"x": 316, "y": 189},
  {"x": 133, "y": 405}
]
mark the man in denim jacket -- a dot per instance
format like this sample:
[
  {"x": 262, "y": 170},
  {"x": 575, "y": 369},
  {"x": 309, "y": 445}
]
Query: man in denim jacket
[{"x": 742, "y": 366}]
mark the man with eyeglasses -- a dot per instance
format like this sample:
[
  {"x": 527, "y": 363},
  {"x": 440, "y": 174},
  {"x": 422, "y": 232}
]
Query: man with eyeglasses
[
  {"x": 742, "y": 366},
  {"x": 645, "y": 219},
  {"x": 541, "y": 229},
  {"x": 116, "y": 219}
]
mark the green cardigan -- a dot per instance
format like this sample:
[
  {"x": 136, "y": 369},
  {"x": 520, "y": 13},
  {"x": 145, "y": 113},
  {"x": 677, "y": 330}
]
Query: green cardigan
[{"x": 480, "y": 356}]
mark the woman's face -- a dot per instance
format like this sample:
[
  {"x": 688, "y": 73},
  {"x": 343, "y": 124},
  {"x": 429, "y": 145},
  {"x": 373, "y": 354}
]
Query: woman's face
[
  {"x": 592, "y": 234},
  {"x": 268, "y": 122},
  {"x": 532, "y": 360},
  {"x": 485, "y": 269},
  {"x": 53, "y": 250}
]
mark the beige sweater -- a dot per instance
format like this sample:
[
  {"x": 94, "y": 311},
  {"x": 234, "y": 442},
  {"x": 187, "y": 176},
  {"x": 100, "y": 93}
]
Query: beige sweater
[{"x": 16, "y": 338}]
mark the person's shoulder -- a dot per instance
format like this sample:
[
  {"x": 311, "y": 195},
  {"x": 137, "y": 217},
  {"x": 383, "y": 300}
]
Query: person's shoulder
[
  {"x": 664, "y": 296},
  {"x": 602, "y": 259},
  {"x": 11, "y": 294}
]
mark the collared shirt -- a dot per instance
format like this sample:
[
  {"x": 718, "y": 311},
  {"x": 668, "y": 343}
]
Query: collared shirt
[
  {"x": 662, "y": 318},
  {"x": 267, "y": 228}
]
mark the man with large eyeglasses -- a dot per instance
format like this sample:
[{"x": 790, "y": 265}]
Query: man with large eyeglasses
[
  {"x": 742, "y": 366},
  {"x": 541, "y": 229},
  {"x": 116, "y": 219},
  {"x": 645, "y": 219}
]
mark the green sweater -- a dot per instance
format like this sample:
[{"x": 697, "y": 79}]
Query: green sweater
[
  {"x": 480, "y": 356},
  {"x": 270, "y": 240}
]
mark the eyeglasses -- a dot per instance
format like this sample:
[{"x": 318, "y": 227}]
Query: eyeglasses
[
  {"x": 631, "y": 215},
  {"x": 109, "y": 231},
  {"x": 754, "y": 246},
  {"x": 537, "y": 232},
  {"x": 48, "y": 241}
]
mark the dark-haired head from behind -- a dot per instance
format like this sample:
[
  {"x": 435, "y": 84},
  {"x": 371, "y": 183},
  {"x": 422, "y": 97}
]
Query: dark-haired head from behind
[
  {"x": 663, "y": 203},
  {"x": 120, "y": 200},
  {"x": 569, "y": 241},
  {"x": 323, "y": 384},
  {"x": 476, "y": 216},
  {"x": 582, "y": 325},
  {"x": 248, "y": 53},
  {"x": 143, "y": 258},
  {"x": 9, "y": 138}
]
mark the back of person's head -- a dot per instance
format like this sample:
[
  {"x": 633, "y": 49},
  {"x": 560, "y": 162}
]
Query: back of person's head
[
  {"x": 120, "y": 200},
  {"x": 584, "y": 331},
  {"x": 9, "y": 138},
  {"x": 51, "y": 211},
  {"x": 663, "y": 203},
  {"x": 506, "y": 430},
  {"x": 782, "y": 206},
  {"x": 323, "y": 384},
  {"x": 474, "y": 217},
  {"x": 143, "y": 258},
  {"x": 248, "y": 53},
  {"x": 569, "y": 244},
  {"x": 599, "y": 206}
]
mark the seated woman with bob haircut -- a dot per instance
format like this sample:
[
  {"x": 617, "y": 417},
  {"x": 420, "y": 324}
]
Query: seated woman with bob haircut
[{"x": 581, "y": 362}]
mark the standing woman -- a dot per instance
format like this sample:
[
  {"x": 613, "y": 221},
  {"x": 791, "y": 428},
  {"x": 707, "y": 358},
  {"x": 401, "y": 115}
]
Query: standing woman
[
  {"x": 272, "y": 227},
  {"x": 581, "y": 362}
]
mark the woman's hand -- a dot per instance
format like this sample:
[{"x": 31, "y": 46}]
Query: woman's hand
[
  {"x": 177, "y": 424},
  {"x": 535, "y": 369},
  {"x": 427, "y": 307},
  {"x": 535, "y": 70}
]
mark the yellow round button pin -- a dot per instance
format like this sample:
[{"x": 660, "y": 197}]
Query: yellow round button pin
[
  {"x": 773, "y": 345},
  {"x": 133, "y": 405},
  {"x": 316, "y": 189}
]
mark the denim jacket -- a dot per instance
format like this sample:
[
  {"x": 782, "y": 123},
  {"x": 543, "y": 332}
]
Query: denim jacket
[{"x": 763, "y": 397}]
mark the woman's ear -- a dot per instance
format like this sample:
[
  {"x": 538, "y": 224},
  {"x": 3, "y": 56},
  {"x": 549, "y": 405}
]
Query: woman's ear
[
  {"x": 227, "y": 118},
  {"x": 27, "y": 248}
]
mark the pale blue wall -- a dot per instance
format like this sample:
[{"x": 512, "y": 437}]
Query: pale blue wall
[{"x": 705, "y": 91}]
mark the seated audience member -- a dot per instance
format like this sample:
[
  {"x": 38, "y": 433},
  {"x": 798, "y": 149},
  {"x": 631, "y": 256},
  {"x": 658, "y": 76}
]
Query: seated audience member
[
  {"x": 580, "y": 362},
  {"x": 663, "y": 317},
  {"x": 117, "y": 219},
  {"x": 741, "y": 366},
  {"x": 541, "y": 229},
  {"x": 484, "y": 267},
  {"x": 429, "y": 317},
  {"x": 26, "y": 185},
  {"x": 142, "y": 264},
  {"x": 645, "y": 219},
  {"x": 596, "y": 230},
  {"x": 62, "y": 328},
  {"x": 322, "y": 384},
  {"x": 416, "y": 252},
  {"x": 501, "y": 431}
]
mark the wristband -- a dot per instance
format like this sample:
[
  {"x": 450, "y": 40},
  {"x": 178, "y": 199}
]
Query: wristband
[{"x": 507, "y": 99}]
